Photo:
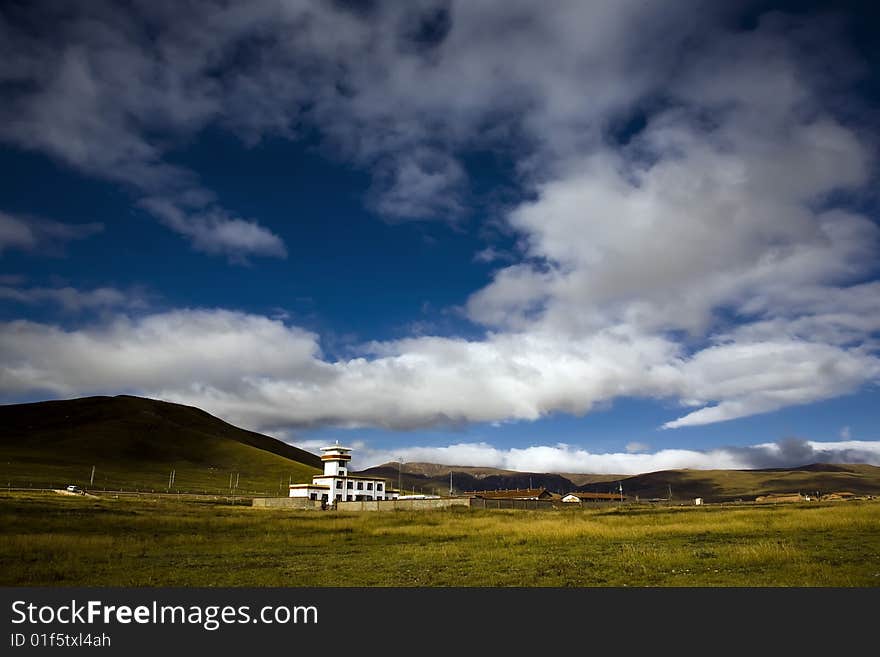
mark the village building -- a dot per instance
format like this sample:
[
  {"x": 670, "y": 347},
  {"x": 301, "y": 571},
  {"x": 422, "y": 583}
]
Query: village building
[
  {"x": 780, "y": 498},
  {"x": 593, "y": 497},
  {"x": 838, "y": 496},
  {"x": 337, "y": 485}
]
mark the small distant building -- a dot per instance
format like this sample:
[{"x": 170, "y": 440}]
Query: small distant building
[
  {"x": 698, "y": 501},
  {"x": 838, "y": 496},
  {"x": 515, "y": 494},
  {"x": 780, "y": 498},
  {"x": 593, "y": 497},
  {"x": 337, "y": 485}
]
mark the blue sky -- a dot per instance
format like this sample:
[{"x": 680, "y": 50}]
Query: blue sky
[{"x": 585, "y": 238}]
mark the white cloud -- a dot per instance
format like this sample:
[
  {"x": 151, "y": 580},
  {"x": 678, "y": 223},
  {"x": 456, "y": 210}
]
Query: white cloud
[
  {"x": 419, "y": 185},
  {"x": 759, "y": 377},
  {"x": 110, "y": 89},
  {"x": 15, "y": 233},
  {"x": 264, "y": 374},
  {"x": 569, "y": 458},
  {"x": 28, "y": 234},
  {"x": 702, "y": 258},
  {"x": 636, "y": 447},
  {"x": 75, "y": 300},
  {"x": 214, "y": 231}
]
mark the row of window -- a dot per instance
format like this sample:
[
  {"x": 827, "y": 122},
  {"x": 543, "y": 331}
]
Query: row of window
[
  {"x": 314, "y": 496},
  {"x": 339, "y": 497},
  {"x": 360, "y": 485},
  {"x": 357, "y": 498}
]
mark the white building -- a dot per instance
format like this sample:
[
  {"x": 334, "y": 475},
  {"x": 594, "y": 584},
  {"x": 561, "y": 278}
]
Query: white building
[{"x": 336, "y": 485}]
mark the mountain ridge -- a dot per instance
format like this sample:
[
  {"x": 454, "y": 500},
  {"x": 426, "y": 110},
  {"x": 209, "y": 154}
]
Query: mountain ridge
[{"x": 683, "y": 484}]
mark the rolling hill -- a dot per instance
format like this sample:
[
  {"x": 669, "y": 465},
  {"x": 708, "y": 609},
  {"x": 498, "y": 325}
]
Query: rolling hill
[
  {"x": 727, "y": 485},
  {"x": 684, "y": 485},
  {"x": 135, "y": 443},
  {"x": 434, "y": 478}
]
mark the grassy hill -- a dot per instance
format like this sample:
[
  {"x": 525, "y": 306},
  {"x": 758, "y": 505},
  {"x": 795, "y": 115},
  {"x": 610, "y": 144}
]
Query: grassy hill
[
  {"x": 725, "y": 485},
  {"x": 434, "y": 478},
  {"x": 436, "y": 470},
  {"x": 712, "y": 485},
  {"x": 134, "y": 443}
]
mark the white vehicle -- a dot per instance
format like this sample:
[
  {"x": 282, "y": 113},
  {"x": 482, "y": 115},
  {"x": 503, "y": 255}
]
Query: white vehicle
[{"x": 74, "y": 489}]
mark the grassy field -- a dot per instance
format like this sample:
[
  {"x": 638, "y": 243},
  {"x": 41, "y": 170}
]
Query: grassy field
[{"x": 52, "y": 540}]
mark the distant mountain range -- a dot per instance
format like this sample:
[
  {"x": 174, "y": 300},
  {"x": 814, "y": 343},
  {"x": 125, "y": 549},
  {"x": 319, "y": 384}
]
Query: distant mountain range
[
  {"x": 145, "y": 444},
  {"x": 712, "y": 485}
]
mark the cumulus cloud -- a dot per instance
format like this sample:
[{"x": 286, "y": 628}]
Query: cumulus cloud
[
  {"x": 401, "y": 89},
  {"x": 705, "y": 252},
  {"x": 90, "y": 87},
  {"x": 28, "y": 233},
  {"x": 213, "y": 231},
  {"x": 570, "y": 458},
  {"x": 75, "y": 300},
  {"x": 419, "y": 185},
  {"x": 265, "y": 374}
]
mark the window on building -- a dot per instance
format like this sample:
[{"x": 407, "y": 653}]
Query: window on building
[
  {"x": 378, "y": 486},
  {"x": 369, "y": 485},
  {"x": 338, "y": 483},
  {"x": 342, "y": 471},
  {"x": 349, "y": 485},
  {"x": 338, "y": 497},
  {"x": 360, "y": 485},
  {"x": 313, "y": 496}
]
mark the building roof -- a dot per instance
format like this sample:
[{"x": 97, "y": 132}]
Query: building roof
[
  {"x": 597, "y": 496},
  {"x": 512, "y": 494},
  {"x": 323, "y": 476},
  {"x": 337, "y": 446},
  {"x": 308, "y": 486}
]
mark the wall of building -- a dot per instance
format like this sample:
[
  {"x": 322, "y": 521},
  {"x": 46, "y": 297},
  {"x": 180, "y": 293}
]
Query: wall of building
[
  {"x": 480, "y": 503},
  {"x": 403, "y": 505},
  {"x": 286, "y": 503}
]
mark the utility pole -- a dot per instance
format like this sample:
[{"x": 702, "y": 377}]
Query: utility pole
[
  {"x": 669, "y": 490},
  {"x": 620, "y": 487},
  {"x": 92, "y": 478},
  {"x": 450, "y": 483},
  {"x": 400, "y": 473}
]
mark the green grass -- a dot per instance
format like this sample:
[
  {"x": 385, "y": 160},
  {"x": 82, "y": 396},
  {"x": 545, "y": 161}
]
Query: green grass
[
  {"x": 70, "y": 541},
  {"x": 259, "y": 472}
]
